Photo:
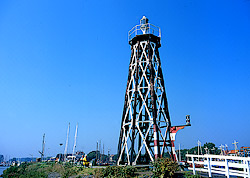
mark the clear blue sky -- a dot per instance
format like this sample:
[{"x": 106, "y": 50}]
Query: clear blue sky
[{"x": 67, "y": 61}]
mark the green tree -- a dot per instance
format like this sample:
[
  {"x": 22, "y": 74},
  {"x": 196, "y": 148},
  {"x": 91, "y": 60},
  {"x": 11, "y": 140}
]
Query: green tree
[{"x": 91, "y": 155}]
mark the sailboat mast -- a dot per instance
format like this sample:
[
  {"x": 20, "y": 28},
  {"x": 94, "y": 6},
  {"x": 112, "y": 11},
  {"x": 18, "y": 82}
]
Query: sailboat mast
[
  {"x": 43, "y": 146},
  {"x": 67, "y": 140},
  {"x": 75, "y": 139}
]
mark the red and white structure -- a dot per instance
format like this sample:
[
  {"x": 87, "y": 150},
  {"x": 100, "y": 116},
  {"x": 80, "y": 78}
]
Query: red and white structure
[
  {"x": 145, "y": 126},
  {"x": 173, "y": 131}
]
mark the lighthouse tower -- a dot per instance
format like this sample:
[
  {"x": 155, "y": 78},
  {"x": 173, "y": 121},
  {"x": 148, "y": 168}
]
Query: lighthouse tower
[{"x": 145, "y": 126}]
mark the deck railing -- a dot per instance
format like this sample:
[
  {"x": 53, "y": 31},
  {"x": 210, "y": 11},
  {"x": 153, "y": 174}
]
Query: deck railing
[
  {"x": 218, "y": 164},
  {"x": 144, "y": 29}
]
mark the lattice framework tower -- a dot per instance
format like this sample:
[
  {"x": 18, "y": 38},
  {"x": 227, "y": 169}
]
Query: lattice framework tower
[{"x": 145, "y": 127}]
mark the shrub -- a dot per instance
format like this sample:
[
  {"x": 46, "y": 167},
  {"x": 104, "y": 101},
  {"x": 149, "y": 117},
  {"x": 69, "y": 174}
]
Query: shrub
[
  {"x": 23, "y": 171},
  {"x": 188, "y": 174},
  {"x": 164, "y": 167},
  {"x": 10, "y": 172},
  {"x": 116, "y": 171}
]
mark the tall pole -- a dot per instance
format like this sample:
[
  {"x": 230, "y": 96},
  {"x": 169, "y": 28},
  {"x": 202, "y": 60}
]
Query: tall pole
[
  {"x": 96, "y": 151},
  {"x": 66, "y": 145},
  {"x": 100, "y": 153},
  {"x": 103, "y": 152},
  {"x": 60, "y": 154},
  {"x": 198, "y": 147},
  {"x": 108, "y": 155},
  {"x": 75, "y": 140},
  {"x": 43, "y": 147},
  {"x": 235, "y": 146}
]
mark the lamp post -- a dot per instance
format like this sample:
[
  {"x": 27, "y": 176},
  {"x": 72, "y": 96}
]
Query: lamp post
[{"x": 59, "y": 152}]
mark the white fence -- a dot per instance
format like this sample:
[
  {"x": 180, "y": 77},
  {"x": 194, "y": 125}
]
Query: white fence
[{"x": 217, "y": 164}]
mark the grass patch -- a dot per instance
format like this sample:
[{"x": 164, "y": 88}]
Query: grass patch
[{"x": 42, "y": 170}]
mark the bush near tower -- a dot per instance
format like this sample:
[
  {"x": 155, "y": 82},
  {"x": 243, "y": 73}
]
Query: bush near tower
[{"x": 164, "y": 167}]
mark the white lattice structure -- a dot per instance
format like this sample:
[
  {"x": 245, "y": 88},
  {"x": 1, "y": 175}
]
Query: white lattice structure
[{"x": 145, "y": 126}]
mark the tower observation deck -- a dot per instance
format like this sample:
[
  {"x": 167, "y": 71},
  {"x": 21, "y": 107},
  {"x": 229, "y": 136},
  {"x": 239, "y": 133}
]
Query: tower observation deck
[
  {"x": 145, "y": 126},
  {"x": 144, "y": 28}
]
